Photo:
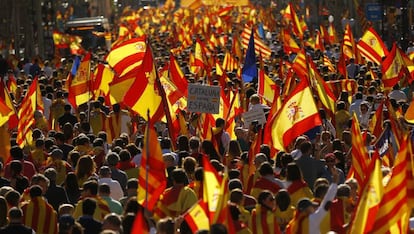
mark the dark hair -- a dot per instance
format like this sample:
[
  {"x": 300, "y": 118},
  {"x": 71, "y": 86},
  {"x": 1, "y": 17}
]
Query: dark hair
[
  {"x": 35, "y": 191},
  {"x": 104, "y": 188},
  {"x": 182, "y": 143},
  {"x": 88, "y": 206},
  {"x": 178, "y": 175},
  {"x": 283, "y": 199},
  {"x": 16, "y": 152},
  {"x": 293, "y": 172},
  {"x": 263, "y": 195},
  {"x": 92, "y": 186},
  {"x": 265, "y": 169}
]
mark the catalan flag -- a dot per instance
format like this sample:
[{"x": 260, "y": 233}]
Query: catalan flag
[
  {"x": 26, "y": 115},
  {"x": 360, "y": 159},
  {"x": 40, "y": 216},
  {"x": 229, "y": 62},
  {"x": 394, "y": 209},
  {"x": 152, "y": 179},
  {"x": 259, "y": 46},
  {"x": 127, "y": 56},
  {"x": 372, "y": 47},
  {"x": 297, "y": 115},
  {"x": 8, "y": 113}
]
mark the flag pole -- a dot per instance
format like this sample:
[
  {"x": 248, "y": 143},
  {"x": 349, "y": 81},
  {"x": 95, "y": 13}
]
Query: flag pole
[{"x": 147, "y": 131}]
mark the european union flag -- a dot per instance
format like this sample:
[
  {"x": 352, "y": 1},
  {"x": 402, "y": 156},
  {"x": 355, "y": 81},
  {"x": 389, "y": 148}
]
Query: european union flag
[{"x": 249, "y": 70}]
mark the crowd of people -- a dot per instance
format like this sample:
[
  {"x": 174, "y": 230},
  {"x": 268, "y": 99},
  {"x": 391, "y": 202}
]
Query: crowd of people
[{"x": 80, "y": 173}]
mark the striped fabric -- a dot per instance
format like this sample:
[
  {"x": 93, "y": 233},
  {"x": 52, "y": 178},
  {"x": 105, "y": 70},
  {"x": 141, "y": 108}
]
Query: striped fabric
[
  {"x": 40, "y": 216},
  {"x": 263, "y": 221},
  {"x": 259, "y": 46}
]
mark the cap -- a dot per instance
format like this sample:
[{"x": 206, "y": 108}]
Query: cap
[
  {"x": 305, "y": 203},
  {"x": 66, "y": 221},
  {"x": 57, "y": 153}
]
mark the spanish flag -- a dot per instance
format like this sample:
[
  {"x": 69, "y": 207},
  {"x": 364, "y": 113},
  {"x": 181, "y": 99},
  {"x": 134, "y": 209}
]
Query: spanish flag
[
  {"x": 127, "y": 56},
  {"x": 142, "y": 95},
  {"x": 392, "y": 67},
  {"x": 8, "y": 113},
  {"x": 297, "y": 115},
  {"x": 211, "y": 187},
  {"x": 290, "y": 15},
  {"x": 372, "y": 47},
  {"x": 79, "y": 82},
  {"x": 266, "y": 87},
  {"x": 103, "y": 76},
  {"x": 197, "y": 218}
]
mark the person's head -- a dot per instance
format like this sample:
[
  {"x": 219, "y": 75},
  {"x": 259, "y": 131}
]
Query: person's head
[
  {"x": 235, "y": 184},
  {"x": 112, "y": 159},
  {"x": 306, "y": 148},
  {"x": 234, "y": 148},
  {"x": 90, "y": 188},
  {"x": 306, "y": 206},
  {"x": 169, "y": 160},
  {"x": 179, "y": 177},
  {"x": 220, "y": 123},
  {"x": 259, "y": 159},
  {"x": 15, "y": 215},
  {"x": 88, "y": 206},
  {"x": 330, "y": 160},
  {"x": 266, "y": 199},
  {"x": 236, "y": 196},
  {"x": 344, "y": 190},
  {"x": 85, "y": 167},
  {"x": 73, "y": 157},
  {"x": 105, "y": 172},
  {"x": 124, "y": 155},
  {"x": 65, "y": 224},
  {"x": 112, "y": 222},
  {"x": 16, "y": 153},
  {"x": 132, "y": 186},
  {"x": 41, "y": 180},
  {"x": 254, "y": 99},
  {"x": 3, "y": 212},
  {"x": 266, "y": 169},
  {"x": 293, "y": 172},
  {"x": 51, "y": 174},
  {"x": 71, "y": 182},
  {"x": 189, "y": 165},
  {"x": 57, "y": 154},
  {"x": 283, "y": 199},
  {"x": 35, "y": 191},
  {"x": 183, "y": 143},
  {"x": 16, "y": 168},
  {"x": 320, "y": 190},
  {"x": 132, "y": 206},
  {"x": 66, "y": 209},
  {"x": 67, "y": 108},
  {"x": 364, "y": 107},
  {"x": 104, "y": 190},
  {"x": 12, "y": 198}
]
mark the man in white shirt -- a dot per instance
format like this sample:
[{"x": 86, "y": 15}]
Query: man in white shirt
[{"x": 105, "y": 178}]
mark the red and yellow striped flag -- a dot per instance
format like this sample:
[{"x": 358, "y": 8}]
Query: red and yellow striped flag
[
  {"x": 289, "y": 44},
  {"x": 290, "y": 16},
  {"x": 211, "y": 187},
  {"x": 103, "y": 76},
  {"x": 360, "y": 159},
  {"x": 151, "y": 178},
  {"x": 26, "y": 115},
  {"x": 266, "y": 87},
  {"x": 259, "y": 46},
  {"x": 394, "y": 208}
]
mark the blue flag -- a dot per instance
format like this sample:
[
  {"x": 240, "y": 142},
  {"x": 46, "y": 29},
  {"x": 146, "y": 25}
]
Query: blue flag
[
  {"x": 249, "y": 70},
  {"x": 75, "y": 65}
]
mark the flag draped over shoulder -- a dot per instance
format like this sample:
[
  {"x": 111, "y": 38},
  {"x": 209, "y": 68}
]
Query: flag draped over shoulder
[
  {"x": 127, "y": 56},
  {"x": 372, "y": 47},
  {"x": 151, "y": 178},
  {"x": 298, "y": 115},
  {"x": 26, "y": 115},
  {"x": 79, "y": 81},
  {"x": 142, "y": 94}
]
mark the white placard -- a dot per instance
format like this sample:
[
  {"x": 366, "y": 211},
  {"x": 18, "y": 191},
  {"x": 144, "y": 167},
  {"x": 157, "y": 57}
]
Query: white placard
[
  {"x": 203, "y": 98},
  {"x": 253, "y": 115}
]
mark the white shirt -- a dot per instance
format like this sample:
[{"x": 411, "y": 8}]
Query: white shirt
[
  {"x": 316, "y": 218},
  {"x": 116, "y": 191},
  {"x": 46, "y": 106}
]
